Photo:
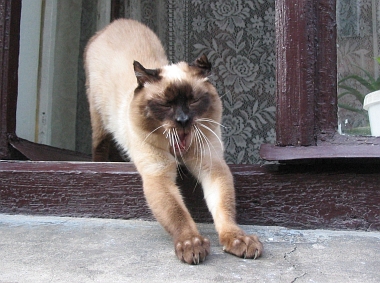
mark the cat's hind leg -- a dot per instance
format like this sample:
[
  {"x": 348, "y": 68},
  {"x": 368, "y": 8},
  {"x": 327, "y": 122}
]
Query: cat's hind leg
[
  {"x": 100, "y": 138},
  {"x": 100, "y": 150}
]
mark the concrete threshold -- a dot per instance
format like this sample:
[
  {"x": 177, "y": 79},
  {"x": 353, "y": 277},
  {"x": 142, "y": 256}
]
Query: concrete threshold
[{"x": 62, "y": 249}]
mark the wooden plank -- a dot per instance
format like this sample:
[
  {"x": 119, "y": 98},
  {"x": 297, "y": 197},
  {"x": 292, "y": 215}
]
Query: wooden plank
[
  {"x": 291, "y": 153},
  {"x": 329, "y": 196},
  {"x": 89, "y": 189},
  {"x": 40, "y": 152}
]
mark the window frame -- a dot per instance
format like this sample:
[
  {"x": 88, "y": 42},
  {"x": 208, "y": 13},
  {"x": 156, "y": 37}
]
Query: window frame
[{"x": 307, "y": 120}]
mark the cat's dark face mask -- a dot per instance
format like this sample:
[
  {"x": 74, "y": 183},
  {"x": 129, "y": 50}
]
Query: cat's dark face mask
[{"x": 172, "y": 106}]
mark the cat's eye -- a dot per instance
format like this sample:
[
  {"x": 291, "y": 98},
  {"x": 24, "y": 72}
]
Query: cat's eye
[
  {"x": 196, "y": 101},
  {"x": 165, "y": 105}
]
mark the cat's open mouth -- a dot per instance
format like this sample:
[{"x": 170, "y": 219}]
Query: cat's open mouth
[{"x": 181, "y": 144}]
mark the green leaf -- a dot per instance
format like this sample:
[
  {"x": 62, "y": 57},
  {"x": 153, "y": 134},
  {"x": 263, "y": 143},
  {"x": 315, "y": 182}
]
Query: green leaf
[
  {"x": 371, "y": 79},
  {"x": 343, "y": 94},
  {"x": 366, "y": 84},
  {"x": 367, "y": 80},
  {"x": 354, "y": 92},
  {"x": 377, "y": 84},
  {"x": 350, "y": 108}
]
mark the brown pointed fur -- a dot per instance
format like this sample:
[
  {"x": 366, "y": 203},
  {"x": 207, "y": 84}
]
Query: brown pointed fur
[{"x": 163, "y": 115}]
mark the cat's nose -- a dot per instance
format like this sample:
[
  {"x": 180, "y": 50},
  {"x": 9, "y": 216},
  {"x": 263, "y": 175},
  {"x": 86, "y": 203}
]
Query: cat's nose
[{"x": 182, "y": 119}]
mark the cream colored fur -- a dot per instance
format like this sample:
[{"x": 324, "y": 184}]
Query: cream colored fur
[{"x": 120, "y": 109}]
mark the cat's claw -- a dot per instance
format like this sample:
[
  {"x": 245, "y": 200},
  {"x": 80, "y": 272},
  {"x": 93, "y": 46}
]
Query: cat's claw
[
  {"x": 243, "y": 246},
  {"x": 193, "y": 251},
  {"x": 256, "y": 254}
]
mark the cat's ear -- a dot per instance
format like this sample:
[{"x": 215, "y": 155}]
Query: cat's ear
[
  {"x": 203, "y": 65},
  {"x": 145, "y": 75}
]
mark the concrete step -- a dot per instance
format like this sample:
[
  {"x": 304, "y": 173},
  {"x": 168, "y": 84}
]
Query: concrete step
[{"x": 62, "y": 249}]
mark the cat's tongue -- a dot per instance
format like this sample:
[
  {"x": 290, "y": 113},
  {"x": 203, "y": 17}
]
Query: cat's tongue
[
  {"x": 181, "y": 145},
  {"x": 182, "y": 141}
]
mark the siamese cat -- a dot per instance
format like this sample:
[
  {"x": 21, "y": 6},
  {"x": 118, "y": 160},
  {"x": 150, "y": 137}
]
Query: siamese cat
[{"x": 163, "y": 115}]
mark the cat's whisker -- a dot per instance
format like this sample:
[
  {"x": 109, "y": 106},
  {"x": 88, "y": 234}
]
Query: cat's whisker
[
  {"x": 198, "y": 153},
  {"x": 154, "y": 131},
  {"x": 172, "y": 136},
  {"x": 191, "y": 138},
  {"x": 227, "y": 92},
  {"x": 198, "y": 142},
  {"x": 208, "y": 128},
  {"x": 208, "y": 143},
  {"x": 201, "y": 145},
  {"x": 172, "y": 142},
  {"x": 178, "y": 141},
  {"x": 195, "y": 148},
  {"x": 204, "y": 141},
  {"x": 210, "y": 121},
  {"x": 168, "y": 136}
]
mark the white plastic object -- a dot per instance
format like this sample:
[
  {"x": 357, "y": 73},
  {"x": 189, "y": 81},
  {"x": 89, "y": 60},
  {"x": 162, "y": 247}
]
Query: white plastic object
[{"x": 372, "y": 105}]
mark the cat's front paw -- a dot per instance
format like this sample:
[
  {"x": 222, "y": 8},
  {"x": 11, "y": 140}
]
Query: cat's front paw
[
  {"x": 192, "y": 250},
  {"x": 242, "y": 245}
]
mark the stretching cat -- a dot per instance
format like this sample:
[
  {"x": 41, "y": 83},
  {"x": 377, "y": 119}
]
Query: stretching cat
[{"x": 164, "y": 115}]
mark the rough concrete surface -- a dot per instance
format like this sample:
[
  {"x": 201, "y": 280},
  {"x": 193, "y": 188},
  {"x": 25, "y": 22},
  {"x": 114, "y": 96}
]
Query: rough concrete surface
[{"x": 61, "y": 249}]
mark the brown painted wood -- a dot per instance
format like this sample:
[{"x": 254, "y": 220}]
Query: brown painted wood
[
  {"x": 40, "y": 152},
  {"x": 10, "y": 13},
  {"x": 329, "y": 196},
  {"x": 87, "y": 189},
  {"x": 306, "y": 71},
  {"x": 369, "y": 150},
  {"x": 326, "y": 109},
  {"x": 296, "y": 56}
]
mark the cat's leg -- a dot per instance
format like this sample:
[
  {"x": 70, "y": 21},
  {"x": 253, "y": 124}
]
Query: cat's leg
[
  {"x": 166, "y": 203},
  {"x": 100, "y": 139},
  {"x": 100, "y": 149},
  {"x": 219, "y": 193}
]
